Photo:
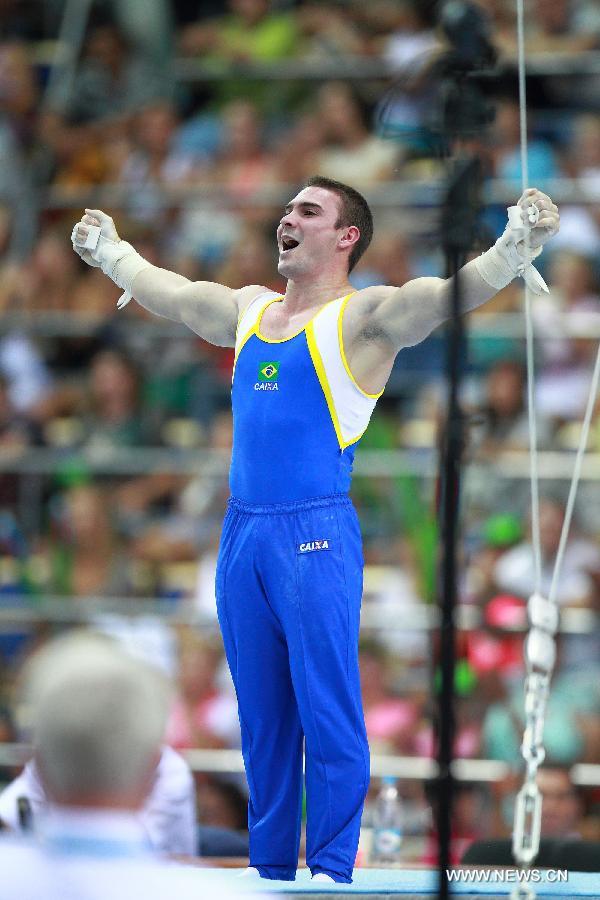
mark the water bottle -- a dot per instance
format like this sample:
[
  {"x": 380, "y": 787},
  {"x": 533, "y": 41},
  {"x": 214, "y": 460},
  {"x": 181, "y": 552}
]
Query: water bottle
[{"x": 387, "y": 823}]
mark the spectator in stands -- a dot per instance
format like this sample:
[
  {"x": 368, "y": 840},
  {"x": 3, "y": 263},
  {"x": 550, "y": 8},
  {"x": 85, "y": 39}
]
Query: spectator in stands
[
  {"x": 208, "y": 230},
  {"x": 48, "y": 277},
  {"x": 16, "y": 430},
  {"x": 251, "y": 257},
  {"x": 202, "y": 714},
  {"x": 296, "y": 151},
  {"x": 563, "y": 26},
  {"x": 494, "y": 651},
  {"x": 148, "y": 25},
  {"x": 192, "y": 525},
  {"x": 514, "y": 571},
  {"x": 470, "y": 821},
  {"x": 503, "y": 423},
  {"x": 573, "y": 302},
  {"x": 388, "y": 260},
  {"x": 467, "y": 738},
  {"x": 562, "y": 803},
  {"x": 351, "y": 152},
  {"x": 390, "y": 719},
  {"x": 113, "y": 80},
  {"x": 222, "y": 804},
  {"x": 89, "y": 301},
  {"x": 26, "y": 372},
  {"x": 494, "y": 536},
  {"x": 503, "y": 24},
  {"x": 84, "y": 127},
  {"x": 154, "y": 165},
  {"x": 11, "y": 175},
  {"x": 97, "y": 718},
  {"x": 19, "y": 92},
  {"x": 251, "y": 31},
  {"x": 6, "y": 227},
  {"x": 84, "y": 558},
  {"x": 580, "y": 160},
  {"x": 406, "y": 32},
  {"x": 328, "y": 32},
  {"x": 583, "y": 158},
  {"x": 244, "y": 162},
  {"x": 505, "y": 141},
  {"x": 114, "y": 417},
  {"x": 76, "y": 157}
]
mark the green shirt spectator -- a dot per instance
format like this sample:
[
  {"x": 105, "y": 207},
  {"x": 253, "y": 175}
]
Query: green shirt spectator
[{"x": 249, "y": 33}]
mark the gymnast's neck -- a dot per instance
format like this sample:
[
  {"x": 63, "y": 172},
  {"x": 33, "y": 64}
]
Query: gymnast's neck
[{"x": 308, "y": 293}]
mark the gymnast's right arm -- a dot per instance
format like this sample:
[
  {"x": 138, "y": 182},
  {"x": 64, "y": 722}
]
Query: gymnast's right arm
[{"x": 211, "y": 310}]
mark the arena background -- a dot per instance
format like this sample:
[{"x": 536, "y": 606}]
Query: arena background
[{"x": 193, "y": 123}]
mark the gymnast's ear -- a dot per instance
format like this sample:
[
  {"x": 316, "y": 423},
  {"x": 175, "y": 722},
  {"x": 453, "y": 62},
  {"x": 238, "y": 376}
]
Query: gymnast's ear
[{"x": 350, "y": 235}]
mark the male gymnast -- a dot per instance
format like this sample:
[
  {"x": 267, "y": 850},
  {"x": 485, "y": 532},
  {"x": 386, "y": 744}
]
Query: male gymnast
[{"x": 309, "y": 367}]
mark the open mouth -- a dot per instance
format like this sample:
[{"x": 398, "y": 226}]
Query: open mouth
[{"x": 288, "y": 243}]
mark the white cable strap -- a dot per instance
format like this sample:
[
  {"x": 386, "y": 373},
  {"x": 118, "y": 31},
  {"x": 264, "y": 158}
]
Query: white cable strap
[
  {"x": 533, "y": 457},
  {"x": 583, "y": 441}
]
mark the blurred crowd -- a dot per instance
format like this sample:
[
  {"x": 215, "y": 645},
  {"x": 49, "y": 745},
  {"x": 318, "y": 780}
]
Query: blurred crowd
[{"x": 195, "y": 171}]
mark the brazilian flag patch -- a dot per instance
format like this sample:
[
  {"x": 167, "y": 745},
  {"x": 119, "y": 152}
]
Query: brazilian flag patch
[{"x": 268, "y": 371}]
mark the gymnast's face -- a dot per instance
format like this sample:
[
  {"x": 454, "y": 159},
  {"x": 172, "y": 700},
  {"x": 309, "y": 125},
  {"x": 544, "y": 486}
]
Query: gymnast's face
[{"x": 308, "y": 237}]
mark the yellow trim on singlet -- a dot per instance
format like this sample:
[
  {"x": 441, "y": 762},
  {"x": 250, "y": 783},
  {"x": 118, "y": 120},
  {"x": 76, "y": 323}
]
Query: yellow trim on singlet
[
  {"x": 343, "y": 354},
  {"x": 244, "y": 342},
  {"x": 291, "y": 336},
  {"x": 253, "y": 330},
  {"x": 259, "y": 320},
  {"x": 317, "y": 362}
]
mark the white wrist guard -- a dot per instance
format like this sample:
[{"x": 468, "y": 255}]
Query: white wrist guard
[
  {"x": 510, "y": 257},
  {"x": 121, "y": 262}
]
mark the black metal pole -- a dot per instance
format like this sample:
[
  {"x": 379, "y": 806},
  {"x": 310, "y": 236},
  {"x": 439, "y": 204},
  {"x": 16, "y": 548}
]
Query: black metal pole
[
  {"x": 458, "y": 224},
  {"x": 449, "y": 496}
]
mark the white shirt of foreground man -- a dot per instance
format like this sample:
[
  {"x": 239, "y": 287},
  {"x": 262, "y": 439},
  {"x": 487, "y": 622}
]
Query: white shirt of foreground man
[
  {"x": 168, "y": 817},
  {"x": 96, "y": 719},
  {"x": 112, "y": 862}
]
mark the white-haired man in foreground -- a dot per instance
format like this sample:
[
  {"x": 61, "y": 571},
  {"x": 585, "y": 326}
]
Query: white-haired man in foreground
[{"x": 96, "y": 717}]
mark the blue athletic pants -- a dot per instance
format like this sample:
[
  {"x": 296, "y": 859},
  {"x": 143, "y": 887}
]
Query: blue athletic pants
[{"x": 289, "y": 586}]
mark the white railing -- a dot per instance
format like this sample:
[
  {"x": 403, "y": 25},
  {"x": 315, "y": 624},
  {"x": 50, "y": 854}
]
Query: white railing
[
  {"x": 419, "y": 768},
  {"x": 424, "y": 196},
  {"x": 420, "y": 461},
  {"x": 21, "y": 610},
  {"x": 481, "y": 324},
  {"x": 47, "y": 52}
]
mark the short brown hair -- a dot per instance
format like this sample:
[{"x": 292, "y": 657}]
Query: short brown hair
[{"x": 354, "y": 210}]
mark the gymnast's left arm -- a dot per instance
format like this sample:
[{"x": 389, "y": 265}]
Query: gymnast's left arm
[{"x": 402, "y": 317}]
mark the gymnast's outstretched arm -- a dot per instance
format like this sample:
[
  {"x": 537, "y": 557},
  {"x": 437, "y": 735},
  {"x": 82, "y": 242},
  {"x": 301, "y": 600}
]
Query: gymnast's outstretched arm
[
  {"x": 380, "y": 321},
  {"x": 211, "y": 310}
]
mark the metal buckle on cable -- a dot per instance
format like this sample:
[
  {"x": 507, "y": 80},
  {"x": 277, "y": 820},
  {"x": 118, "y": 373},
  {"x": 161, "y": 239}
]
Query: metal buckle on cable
[
  {"x": 528, "y": 823},
  {"x": 540, "y": 656}
]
